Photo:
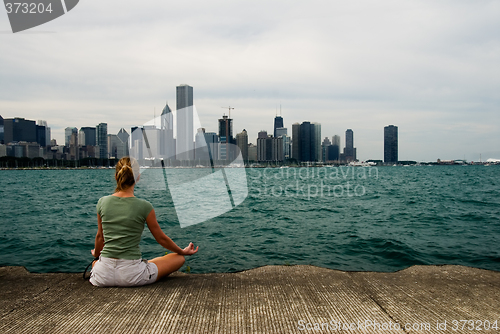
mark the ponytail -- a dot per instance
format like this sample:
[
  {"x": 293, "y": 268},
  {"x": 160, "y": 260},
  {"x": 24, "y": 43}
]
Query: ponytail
[{"x": 124, "y": 174}]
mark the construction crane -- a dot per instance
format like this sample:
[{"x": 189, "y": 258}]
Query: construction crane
[{"x": 229, "y": 110}]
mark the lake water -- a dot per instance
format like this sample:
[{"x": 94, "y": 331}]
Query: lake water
[{"x": 357, "y": 219}]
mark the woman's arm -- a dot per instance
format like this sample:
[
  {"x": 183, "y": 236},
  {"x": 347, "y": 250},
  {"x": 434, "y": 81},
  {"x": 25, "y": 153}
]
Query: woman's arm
[
  {"x": 164, "y": 240},
  {"x": 99, "y": 238}
]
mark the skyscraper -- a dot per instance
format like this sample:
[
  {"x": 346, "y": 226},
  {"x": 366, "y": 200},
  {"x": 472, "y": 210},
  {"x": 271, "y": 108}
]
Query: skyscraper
[
  {"x": 226, "y": 138},
  {"x": 47, "y": 132},
  {"x": 349, "y": 150},
  {"x": 278, "y": 123},
  {"x": 19, "y": 129},
  {"x": 391, "y": 144},
  {"x": 316, "y": 145},
  {"x": 296, "y": 141},
  {"x": 1, "y": 130},
  {"x": 185, "y": 125},
  {"x": 167, "y": 143},
  {"x": 89, "y": 136},
  {"x": 242, "y": 143},
  {"x": 102, "y": 139},
  {"x": 334, "y": 149},
  {"x": 310, "y": 142},
  {"x": 325, "y": 146},
  {"x": 67, "y": 135}
]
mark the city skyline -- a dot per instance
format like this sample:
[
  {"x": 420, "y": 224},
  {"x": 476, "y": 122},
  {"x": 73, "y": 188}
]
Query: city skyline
[{"x": 431, "y": 68}]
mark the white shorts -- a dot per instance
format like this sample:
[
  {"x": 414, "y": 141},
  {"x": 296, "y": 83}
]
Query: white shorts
[{"x": 120, "y": 272}]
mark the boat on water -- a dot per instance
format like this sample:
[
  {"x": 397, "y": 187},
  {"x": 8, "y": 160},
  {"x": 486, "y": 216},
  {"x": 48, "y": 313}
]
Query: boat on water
[{"x": 361, "y": 164}]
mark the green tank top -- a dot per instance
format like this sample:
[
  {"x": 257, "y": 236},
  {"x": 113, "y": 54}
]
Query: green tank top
[{"x": 123, "y": 220}]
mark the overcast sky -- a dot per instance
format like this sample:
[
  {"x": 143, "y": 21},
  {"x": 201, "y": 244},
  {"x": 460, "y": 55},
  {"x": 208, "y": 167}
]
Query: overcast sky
[{"x": 430, "y": 67}]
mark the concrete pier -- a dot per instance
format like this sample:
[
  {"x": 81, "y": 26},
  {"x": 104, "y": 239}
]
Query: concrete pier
[{"x": 271, "y": 299}]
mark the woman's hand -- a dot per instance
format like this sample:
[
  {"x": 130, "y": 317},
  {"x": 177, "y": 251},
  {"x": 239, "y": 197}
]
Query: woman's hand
[
  {"x": 190, "y": 250},
  {"x": 93, "y": 252}
]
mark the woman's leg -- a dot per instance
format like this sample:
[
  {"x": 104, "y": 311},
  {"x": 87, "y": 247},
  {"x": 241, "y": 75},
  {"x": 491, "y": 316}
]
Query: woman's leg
[{"x": 167, "y": 264}]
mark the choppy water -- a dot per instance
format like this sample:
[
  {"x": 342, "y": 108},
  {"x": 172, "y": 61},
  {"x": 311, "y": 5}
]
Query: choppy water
[{"x": 383, "y": 219}]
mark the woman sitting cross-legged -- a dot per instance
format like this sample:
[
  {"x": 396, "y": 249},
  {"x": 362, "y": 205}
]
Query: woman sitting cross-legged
[{"x": 120, "y": 221}]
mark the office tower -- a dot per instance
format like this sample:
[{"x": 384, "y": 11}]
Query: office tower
[
  {"x": 334, "y": 149},
  {"x": 278, "y": 123},
  {"x": 226, "y": 138},
  {"x": 19, "y": 129},
  {"x": 40, "y": 135},
  {"x": 73, "y": 146},
  {"x": 124, "y": 136},
  {"x": 47, "y": 132},
  {"x": 242, "y": 143},
  {"x": 262, "y": 134},
  {"x": 1, "y": 130},
  {"x": 280, "y": 132},
  {"x": 167, "y": 142},
  {"x": 287, "y": 140},
  {"x": 316, "y": 145},
  {"x": 296, "y": 152},
  {"x": 349, "y": 150},
  {"x": 201, "y": 154},
  {"x": 212, "y": 141},
  {"x": 252, "y": 152},
  {"x": 185, "y": 123},
  {"x": 89, "y": 135},
  {"x": 67, "y": 135},
  {"x": 309, "y": 143},
  {"x": 269, "y": 149},
  {"x": 324, "y": 148},
  {"x": 117, "y": 148},
  {"x": 102, "y": 140},
  {"x": 391, "y": 144},
  {"x": 305, "y": 141}
]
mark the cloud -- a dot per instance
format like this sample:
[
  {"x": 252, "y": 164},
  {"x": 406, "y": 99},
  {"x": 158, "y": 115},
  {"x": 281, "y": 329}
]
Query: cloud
[{"x": 360, "y": 65}]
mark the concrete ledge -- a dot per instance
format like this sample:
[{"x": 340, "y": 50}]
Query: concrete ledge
[{"x": 271, "y": 299}]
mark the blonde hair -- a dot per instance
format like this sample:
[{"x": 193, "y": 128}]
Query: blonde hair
[{"x": 126, "y": 172}]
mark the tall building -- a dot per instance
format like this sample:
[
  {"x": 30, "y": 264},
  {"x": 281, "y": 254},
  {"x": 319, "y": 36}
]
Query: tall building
[
  {"x": 40, "y": 135},
  {"x": 185, "y": 123},
  {"x": 391, "y": 144},
  {"x": 102, "y": 140},
  {"x": 242, "y": 143},
  {"x": 269, "y": 149},
  {"x": 296, "y": 152},
  {"x": 310, "y": 142},
  {"x": 317, "y": 142},
  {"x": 47, "y": 132},
  {"x": 88, "y": 136},
  {"x": 1, "y": 130},
  {"x": 117, "y": 148},
  {"x": 287, "y": 140},
  {"x": 67, "y": 135},
  {"x": 201, "y": 153},
  {"x": 262, "y": 134},
  {"x": 280, "y": 132},
  {"x": 349, "y": 150},
  {"x": 334, "y": 149},
  {"x": 324, "y": 148},
  {"x": 212, "y": 141},
  {"x": 167, "y": 142},
  {"x": 73, "y": 146},
  {"x": 252, "y": 152},
  {"x": 226, "y": 138},
  {"x": 19, "y": 129},
  {"x": 278, "y": 123}
]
